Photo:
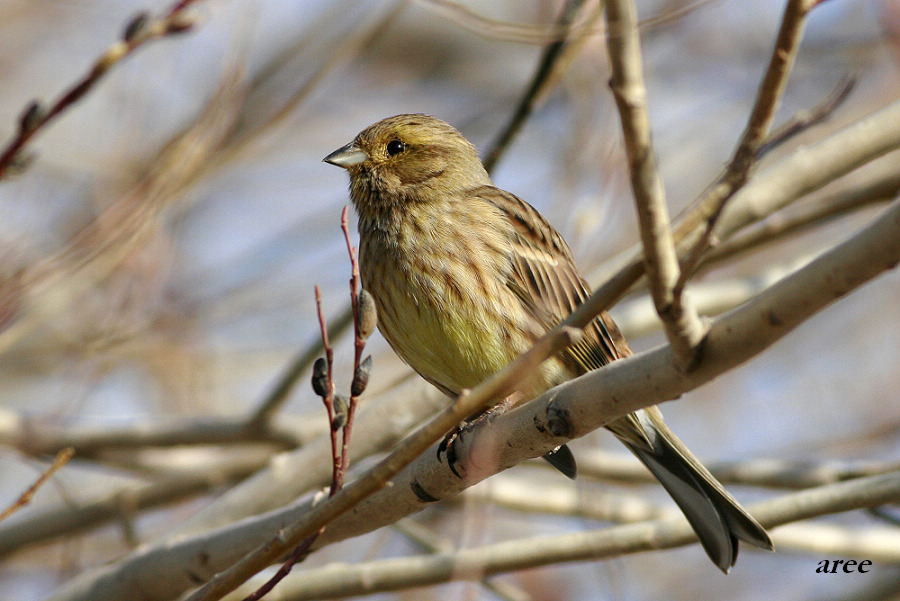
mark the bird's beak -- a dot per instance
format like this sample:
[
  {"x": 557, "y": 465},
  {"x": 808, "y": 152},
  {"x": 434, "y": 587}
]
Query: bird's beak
[{"x": 347, "y": 156}]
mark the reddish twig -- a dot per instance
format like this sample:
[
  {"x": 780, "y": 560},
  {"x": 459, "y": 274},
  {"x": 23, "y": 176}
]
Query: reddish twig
[
  {"x": 297, "y": 555},
  {"x": 139, "y": 30},
  {"x": 323, "y": 383},
  {"x": 340, "y": 417},
  {"x": 360, "y": 369}
]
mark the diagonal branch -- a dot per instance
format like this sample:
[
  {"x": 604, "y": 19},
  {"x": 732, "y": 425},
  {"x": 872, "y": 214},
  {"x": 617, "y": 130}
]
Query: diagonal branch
[
  {"x": 539, "y": 82},
  {"x": 708, "y": 208},
  {"x": 140, "y": 30}
]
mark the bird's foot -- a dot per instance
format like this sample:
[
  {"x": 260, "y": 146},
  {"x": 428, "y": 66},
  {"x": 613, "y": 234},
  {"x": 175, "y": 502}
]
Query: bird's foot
[{"x": 448, "y": 445}]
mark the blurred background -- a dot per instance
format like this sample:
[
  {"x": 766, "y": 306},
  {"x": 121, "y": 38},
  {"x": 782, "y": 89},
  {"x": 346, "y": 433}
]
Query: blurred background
[{"x": 159, "y": 254}]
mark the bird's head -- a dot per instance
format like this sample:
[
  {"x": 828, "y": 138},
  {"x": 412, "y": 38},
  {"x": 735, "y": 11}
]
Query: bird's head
[{"x": 408, "y": 158}]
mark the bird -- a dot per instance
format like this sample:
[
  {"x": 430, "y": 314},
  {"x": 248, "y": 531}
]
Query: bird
[{"x": 467, "y": 276}]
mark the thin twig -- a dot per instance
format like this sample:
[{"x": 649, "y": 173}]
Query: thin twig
[
  {"x": 62, "y": 458},
  {"x": 802, "y": 121},
  {"x": 495, "y": 29},
  {"x": 426, "y": 539},
  {"x": 324, "y": 387},
  {"x": 709, "y": 207},
  {"x": 100, "y": 508},
  {"x": 297, "y": 555},
  {"x": 341, "y": 460},
  {"x": 783, "y": 224},
  {"x": 537, "y": 87},
  {"x": 359, "y": 345},
  {"x": 683, "y": 327},
  {"x": 328, "y": 397},
  {"x": 140, "y": 30},
  {"x": 775, "y": 473},
  {"x": 33, "y": 437}
]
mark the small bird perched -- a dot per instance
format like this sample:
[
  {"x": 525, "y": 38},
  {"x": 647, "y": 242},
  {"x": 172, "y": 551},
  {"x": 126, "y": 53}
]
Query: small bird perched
[{"x": 466, "y": 277}]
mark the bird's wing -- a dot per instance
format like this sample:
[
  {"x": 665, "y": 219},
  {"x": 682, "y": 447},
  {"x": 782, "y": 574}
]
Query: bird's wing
[{"x": 545, "y": 278}]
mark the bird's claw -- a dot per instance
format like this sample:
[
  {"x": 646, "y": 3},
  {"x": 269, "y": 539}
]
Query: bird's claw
[{"x": 448, "y": 447}]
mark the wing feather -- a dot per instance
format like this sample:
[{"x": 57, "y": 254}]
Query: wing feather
[{"x": 546, "y": 280}]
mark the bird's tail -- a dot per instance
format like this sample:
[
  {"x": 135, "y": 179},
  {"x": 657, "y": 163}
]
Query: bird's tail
[{"x": 716, "y": 517}]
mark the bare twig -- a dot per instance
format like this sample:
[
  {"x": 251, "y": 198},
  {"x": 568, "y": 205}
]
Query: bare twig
[
  {"x": 538, "y": 85},
  {"x": 767, "y": 473},
  {"x": 32, "y": 437},
  {"x": 104, "y": 507},
  {"x": 709, "y": 207},
  {"x": 781, "y": 225},
  {"x": 427, "y": 540},
  {"x": 62, "y": 458},
  {"x": 800, "y": 122},
  {"x": 878, "y": 545},
  {"x": 298, "y": 554},
  {"x": 323, "y": 383},
  {"x": 780, "y": 184},
  {"x": 495, "y": 29},
  {"x": 684, "y": 329},
  {"x": 324, "y": 387},
  {"x": 360, "y": 368},
  {"x": 140, "y": 30},
  {"x": 539, "y": 494}
]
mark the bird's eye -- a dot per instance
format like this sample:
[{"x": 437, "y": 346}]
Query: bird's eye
[{"x": 395, "y": 147}]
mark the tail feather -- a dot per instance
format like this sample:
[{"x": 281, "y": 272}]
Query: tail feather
[
  {"x": 562, "y": 459},
  {"x": 716, "y": 517}
]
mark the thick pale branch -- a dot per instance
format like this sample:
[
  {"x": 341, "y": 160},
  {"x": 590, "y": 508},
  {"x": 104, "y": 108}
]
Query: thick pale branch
[
  {"x": 654, "y": 377},
  {"x": 340, "y": 580},
  {"x": 541, "y": 493},
  {"x": 880, "y": 545}
]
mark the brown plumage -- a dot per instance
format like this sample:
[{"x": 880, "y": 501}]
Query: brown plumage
[{"x": 467, "y": 276}]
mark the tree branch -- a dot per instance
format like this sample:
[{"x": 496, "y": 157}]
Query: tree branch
[
  {"x": 140, "y": 30},
  {"x": 341, "y": 580},
  {"x": 682, "y": 324}
]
